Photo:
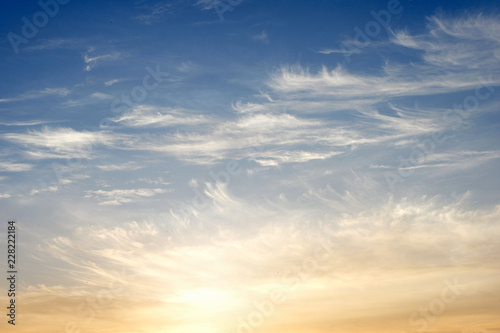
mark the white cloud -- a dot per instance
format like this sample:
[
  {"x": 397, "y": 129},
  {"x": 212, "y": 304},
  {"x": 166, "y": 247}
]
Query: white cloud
[
  {"x": 33, "y": 94},
  {"x": 256, "y": 136},
  {"x": 467, "y": 43},
  {"x": 59, "y": 142},
  {"x": 456, "y": 53},
  {"x": 25, "y": 123},
  {"x": 111, "y": 82},
  {"x": 99, "y": 95},
  {"x": 48, "y": 189},
  {"x": 155, "y": 13},
  {"x": 454, "y": 161},
  {"x": 276, "y": 158},
  {"x": 330, "y": 51},
  {"x": 262, "y": 37},
  {"x": 406, "y": 121},
  {"x": 129, "y": 166},
  {"x": 15, "y": 167},
  {"x": 188, "y": 67},
  {"x": 269, "y": 138},
  {"x": 144, "y": 115},
  {"x": 119, "y": 197},
  {"x": 55, "y": 43},
  {"x": 398, "y": 81},
  {"x": 207, "y": 4},
  {"x": 92, "y": 61},
  {"x": 156, "y": 181}
]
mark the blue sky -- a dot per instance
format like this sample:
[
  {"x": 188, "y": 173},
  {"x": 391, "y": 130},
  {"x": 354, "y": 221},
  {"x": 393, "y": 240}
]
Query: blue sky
[{"x": 207, "y": 148}]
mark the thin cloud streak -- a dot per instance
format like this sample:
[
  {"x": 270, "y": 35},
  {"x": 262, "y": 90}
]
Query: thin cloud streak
[{"x": 38, "y": 94}]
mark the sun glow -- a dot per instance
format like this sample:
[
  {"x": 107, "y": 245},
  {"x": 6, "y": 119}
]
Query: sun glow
[{"x": 203, "y": 297}]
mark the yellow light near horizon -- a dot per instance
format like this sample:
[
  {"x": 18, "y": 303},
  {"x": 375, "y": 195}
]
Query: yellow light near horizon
[
  {"x": 204, "y": 310},
  {"x": 204, "y": 297}
]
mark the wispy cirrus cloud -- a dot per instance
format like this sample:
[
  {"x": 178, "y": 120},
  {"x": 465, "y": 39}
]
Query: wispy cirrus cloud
[
  {"x": 34, "y": 94},
  {"x": 111, "y": 82},
  {"x": 155, "y": 13},
  {"x": 15, "y": 167},
  {"x": 26, "y": 123},
  {"x": 467, "y": 43},
  {"x": 118, "y": 197},
  {"x": 330, "y": 51},
  {"x": 455, "y": 161},
  {"x": 188, "y": 67},
  {"x": 455, "y": 53},
  {"x": 270, "y": 138},
  {"x": 92, "y": 61},
  {"x": 150, "y": 116},
  {"x": 42, "y": 190},
  {"x": 265, "y": 138},
  {"x": 207, "y": 4},
  {"x": 55, "y": 43},
  {"x": 129, "y": 166},
  {"x": 102, "y": 96},
  {"x": 262, "y": 37},
  {"x": 397, "y": 81},
  {"x": 58, "y": 142}
]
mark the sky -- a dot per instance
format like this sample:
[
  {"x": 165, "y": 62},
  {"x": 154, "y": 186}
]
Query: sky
[{"x": 208, "y": 166}]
